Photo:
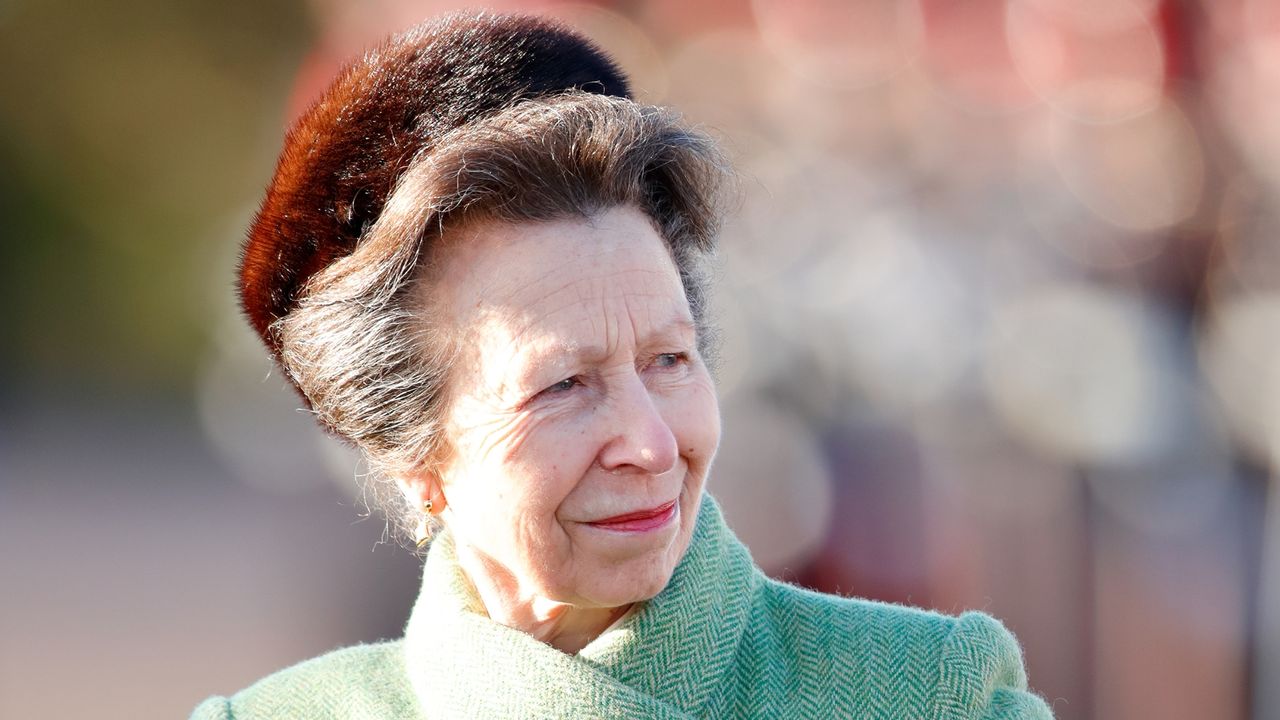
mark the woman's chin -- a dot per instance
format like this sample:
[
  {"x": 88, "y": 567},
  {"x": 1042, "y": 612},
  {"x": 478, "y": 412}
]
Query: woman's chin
[
  {"x": 636, "y": 576},
  {"x": 637, "y": 588}
]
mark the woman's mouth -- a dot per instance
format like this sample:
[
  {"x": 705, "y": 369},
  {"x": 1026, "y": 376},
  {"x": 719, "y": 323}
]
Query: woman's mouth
[{"x": 641, "y": 521}]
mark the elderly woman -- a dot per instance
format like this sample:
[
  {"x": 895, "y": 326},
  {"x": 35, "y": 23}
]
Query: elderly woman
[{"x": 480, "y": 263}]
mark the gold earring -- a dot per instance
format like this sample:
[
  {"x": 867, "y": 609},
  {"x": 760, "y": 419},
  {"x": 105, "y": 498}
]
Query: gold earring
[{"x": 423, "y": 532}]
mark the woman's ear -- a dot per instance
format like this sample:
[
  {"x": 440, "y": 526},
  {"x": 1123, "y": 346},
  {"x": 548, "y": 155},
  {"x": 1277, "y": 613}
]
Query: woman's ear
[
  {"x": 423, "y": 493},
  {"x": 421, "y": 488}
]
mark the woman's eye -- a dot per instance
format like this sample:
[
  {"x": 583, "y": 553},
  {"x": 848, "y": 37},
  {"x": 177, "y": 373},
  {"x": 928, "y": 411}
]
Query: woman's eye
[
  {"x": 667, "y": 360},
  {"x": 562, "y": 386}
]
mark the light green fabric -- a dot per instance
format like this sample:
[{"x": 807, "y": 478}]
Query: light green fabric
[{"x": 721, "y": 641}]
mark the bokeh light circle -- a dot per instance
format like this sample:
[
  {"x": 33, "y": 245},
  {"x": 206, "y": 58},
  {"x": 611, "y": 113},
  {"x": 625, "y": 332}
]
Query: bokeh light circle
[
  {"x": 1240, "y": 351},
  {"x": 845, "y": 45},
  {"x": 1141, "y": 174},
  {"x": 1088, "y": 73},
  {"x": 772, "y": 481},
  {"x": 1077, "y": 371}
]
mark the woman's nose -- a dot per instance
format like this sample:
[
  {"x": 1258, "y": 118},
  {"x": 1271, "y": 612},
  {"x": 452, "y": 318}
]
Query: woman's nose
[{"x": 640, "y": 438}]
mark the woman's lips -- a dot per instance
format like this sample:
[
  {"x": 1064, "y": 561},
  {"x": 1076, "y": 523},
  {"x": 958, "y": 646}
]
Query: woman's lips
[{"x": 641, "y": 521}]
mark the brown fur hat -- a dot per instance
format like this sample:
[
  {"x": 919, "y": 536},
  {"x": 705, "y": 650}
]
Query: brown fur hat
[{"x": 343, "y": 156}]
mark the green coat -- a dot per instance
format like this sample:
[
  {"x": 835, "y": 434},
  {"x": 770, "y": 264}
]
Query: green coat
[{"x": 722, "y": 640}]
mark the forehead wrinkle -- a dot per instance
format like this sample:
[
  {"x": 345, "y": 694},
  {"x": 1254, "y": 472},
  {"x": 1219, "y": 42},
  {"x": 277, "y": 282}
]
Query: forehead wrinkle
[
  {"x": 586, "y": 283},
  {"x": 645, "y": 321},
  {"x": 526, "y": 319},
  {"x": 591, "y": 252},
  {"x": 483, "y": 344},
  {"x": 659, "y": 327}
]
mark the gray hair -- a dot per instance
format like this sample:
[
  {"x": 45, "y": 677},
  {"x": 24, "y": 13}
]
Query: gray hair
[{"x": 364, "y": 347}]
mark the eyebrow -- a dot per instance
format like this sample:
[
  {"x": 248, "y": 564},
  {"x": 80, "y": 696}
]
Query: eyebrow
[{"x": 552, "y": 351}]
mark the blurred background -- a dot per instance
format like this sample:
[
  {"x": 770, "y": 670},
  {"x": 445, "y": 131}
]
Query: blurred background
[{"x": 1001, "y": 307}]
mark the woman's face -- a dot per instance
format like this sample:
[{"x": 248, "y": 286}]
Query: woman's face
[{"x": 582, "y": 420}]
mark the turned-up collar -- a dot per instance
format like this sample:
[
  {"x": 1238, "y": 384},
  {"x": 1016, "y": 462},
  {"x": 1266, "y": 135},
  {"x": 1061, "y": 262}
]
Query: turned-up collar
[{"x": 667, "y": 657}]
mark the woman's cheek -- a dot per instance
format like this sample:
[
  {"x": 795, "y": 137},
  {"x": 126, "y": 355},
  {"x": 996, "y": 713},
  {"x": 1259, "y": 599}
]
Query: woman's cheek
[{"x": 695, "y": 415}]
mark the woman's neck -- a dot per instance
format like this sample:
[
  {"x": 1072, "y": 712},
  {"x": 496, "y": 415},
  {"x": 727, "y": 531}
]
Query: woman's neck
[{"x": 565, "y": 627}]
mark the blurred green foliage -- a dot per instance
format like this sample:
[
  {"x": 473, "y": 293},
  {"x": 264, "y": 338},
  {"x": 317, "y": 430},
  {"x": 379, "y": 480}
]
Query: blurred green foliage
[{"x": 135, "y": 137}]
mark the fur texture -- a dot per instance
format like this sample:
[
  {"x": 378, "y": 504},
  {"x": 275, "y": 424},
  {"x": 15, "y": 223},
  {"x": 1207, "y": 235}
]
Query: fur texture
[{"x": 342, "y": 158}]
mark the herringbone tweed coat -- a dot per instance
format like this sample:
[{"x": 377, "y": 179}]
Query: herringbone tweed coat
[{"x": 721, "y": 641}]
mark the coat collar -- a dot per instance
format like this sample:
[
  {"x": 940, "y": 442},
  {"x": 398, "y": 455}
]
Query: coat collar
[{"x": 664, "y": 660}]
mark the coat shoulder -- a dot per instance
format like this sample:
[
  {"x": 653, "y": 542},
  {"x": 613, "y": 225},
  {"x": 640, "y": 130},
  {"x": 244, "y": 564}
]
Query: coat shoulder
[
  {"x": 981, "y": 674},
  {"x": 366, "y": 681},
  {"x": 844, "y": 625},
  {"x": 876, "y": 657}
]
